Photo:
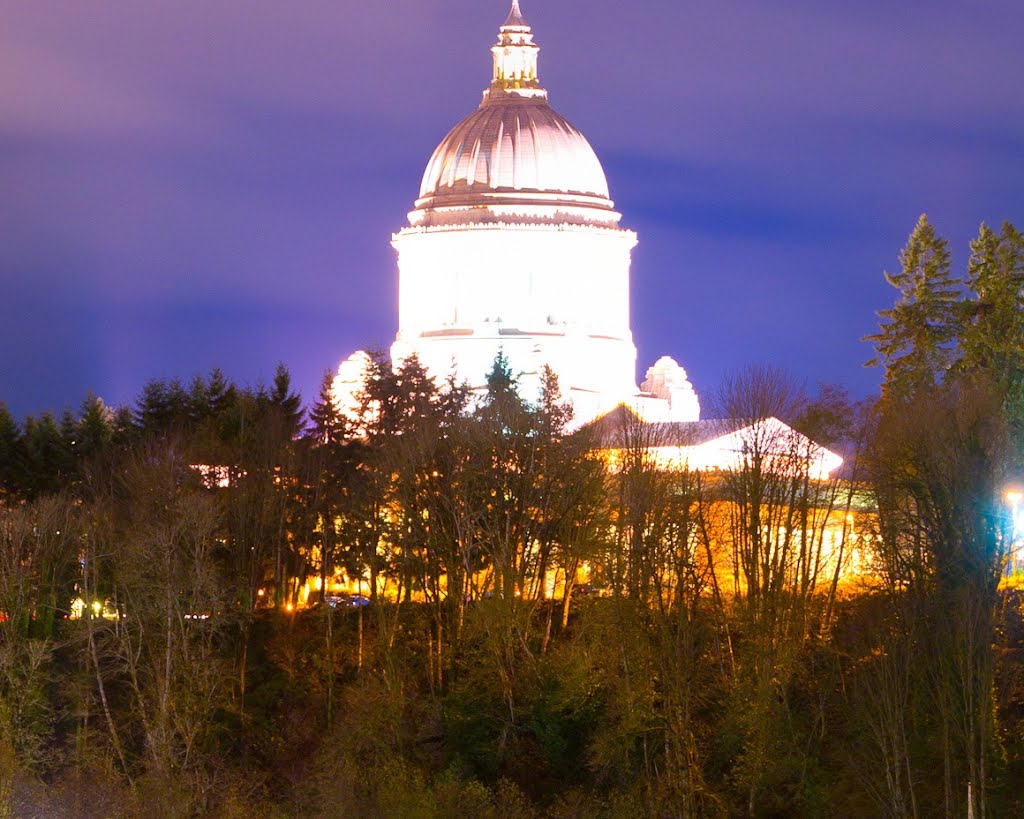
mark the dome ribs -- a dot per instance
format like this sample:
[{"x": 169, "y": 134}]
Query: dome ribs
[
  {"x": 517, "y": 157},
  {"x": 539, "y": 165},
  {"x": 453, "y": 163},
  {"x": 473, "y": 173},
  {"x": 514, "y": 155},
  {"x": 516, "y": 144}
]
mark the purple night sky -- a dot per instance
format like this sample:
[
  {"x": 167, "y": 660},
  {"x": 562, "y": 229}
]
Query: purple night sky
[{"x": 197, "y": 183}]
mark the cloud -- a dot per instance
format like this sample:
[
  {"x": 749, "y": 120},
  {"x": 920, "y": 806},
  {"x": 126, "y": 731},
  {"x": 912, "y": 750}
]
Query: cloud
[{"x": 163, "y": 161}]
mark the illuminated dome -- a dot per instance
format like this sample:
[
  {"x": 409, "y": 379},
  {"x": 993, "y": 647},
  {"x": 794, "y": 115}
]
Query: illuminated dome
[
  {"x": 513, "y": 246},
  {"x": 512, "y": 148},
  {"x": 514, "y": 155}
]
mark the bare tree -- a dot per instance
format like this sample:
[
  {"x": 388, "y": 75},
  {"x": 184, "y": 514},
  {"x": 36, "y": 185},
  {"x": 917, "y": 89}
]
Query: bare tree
[
  {"x": 786, "y": 529},
  {"x": 940, "y": 460}
]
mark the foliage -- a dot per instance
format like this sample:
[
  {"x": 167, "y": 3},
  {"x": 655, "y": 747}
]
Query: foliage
[
  {"x": 559, "y": 622},
  {"x": 916, "y": 341}
]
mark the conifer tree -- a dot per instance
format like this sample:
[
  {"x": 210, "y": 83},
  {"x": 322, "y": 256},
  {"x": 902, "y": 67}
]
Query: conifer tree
[
  {"x": 328, "y": 472},
  {"x": 48, "y": 460},
  {"x": 501, "y": 381},
  {"x": 418, "y": 393},
  {"x": 198, "y": 399},
  {"x": 554, "y": 410},
  {"x": 162, "y": 406},
  {"x": 916, "y": 340},
  {"x": 993, "y": 336},
  {"x": 221, "y": 393},
  {"x": 326, "y": 422},
  {"x": 94, "y": 429},
  {"x": 502, "y": 405},
  {"x": 123, "y": 426},
  {"x": 69, "y": 432},
  {"x": 11, "y": 452},
  {"x": 288, "y": 403}
]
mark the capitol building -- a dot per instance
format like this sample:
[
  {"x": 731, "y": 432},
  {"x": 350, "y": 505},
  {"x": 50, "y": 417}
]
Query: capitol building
[{"x": 514, "y": 245}]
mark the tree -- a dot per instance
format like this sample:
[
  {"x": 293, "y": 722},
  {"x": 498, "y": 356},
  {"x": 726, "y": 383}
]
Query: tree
[
  {"x": 327, "y": 474},
  {"x": 993, "y": 336},
  {"x": 94, "y": 429},
  {"x": 939, "y": 462},
  {"x": 48, "y": 462},
  {"x": 785, "y": 529},
  {"x": 949, "y": 428},
  {"x": 11, "y": 454},
  {"x": 327, "y": 424},
  {"x": 665, "y": 612},
  {"x": 162, "y": 407},
  {"x": 917, "y": 338},
  {"x": 37, "y": 553},
  {"x": 154, "y": 532},
  {"x": 287, "y": 403}
]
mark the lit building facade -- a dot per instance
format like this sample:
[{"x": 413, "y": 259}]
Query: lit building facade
[{"x": 514, "y": 245}]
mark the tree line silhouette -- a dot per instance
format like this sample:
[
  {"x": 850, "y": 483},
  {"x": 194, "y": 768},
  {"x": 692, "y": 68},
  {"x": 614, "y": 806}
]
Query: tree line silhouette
[{"x": 558, "y": 622}]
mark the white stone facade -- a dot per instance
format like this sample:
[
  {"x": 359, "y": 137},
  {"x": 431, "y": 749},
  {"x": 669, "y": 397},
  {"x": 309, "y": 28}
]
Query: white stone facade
[
  {"x": 543, "y": 293},
  {"x": 514, "y": 245}
]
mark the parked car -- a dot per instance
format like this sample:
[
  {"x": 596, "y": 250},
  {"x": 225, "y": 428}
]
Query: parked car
[{"x": 340, "y": 601}]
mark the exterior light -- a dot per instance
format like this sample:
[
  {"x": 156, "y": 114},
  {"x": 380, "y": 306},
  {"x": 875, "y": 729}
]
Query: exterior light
[{"x": 1013, "y": 497}]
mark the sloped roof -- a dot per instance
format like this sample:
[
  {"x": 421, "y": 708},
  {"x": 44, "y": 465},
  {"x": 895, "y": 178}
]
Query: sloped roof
[
  {"x": 715, "y": 443},
  {"x": 616, "y": 428}
]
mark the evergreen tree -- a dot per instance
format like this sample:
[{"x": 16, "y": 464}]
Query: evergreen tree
[
  {"x": 453, "y": 402},
  {"x": 162, "y": 406},
  {"x": 503, "y": 404},
  {"x": 993, "y": 336},
  {"x": 122, "y": 425},
  {"x": 94, "y": 429},
  {"x": 11, "y": 453},
  {"x": 220, "y": 392},
  {"x": 326, "y": 422},
  {"x": 287, "y": 403},
  {"x": 418, "y": 393},
  {"x": 916, "y": 341},
  {"x": 500, "y": 380},
  {"x": 69, "y": 437},
  {"x": 48, "y": 460},
  {"x": 379, "y": 397},
  {"x": 199, "y": 405},
  {"x": 555, "y": 412}
]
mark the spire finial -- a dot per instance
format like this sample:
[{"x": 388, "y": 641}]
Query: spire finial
[
  {"x": 515, "y": 17},
  {"x": 515, "y": 57}
]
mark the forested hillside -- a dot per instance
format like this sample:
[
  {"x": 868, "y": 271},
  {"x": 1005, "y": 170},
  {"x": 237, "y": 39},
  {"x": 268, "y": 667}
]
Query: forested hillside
[{"x": 547, "y": 630}]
